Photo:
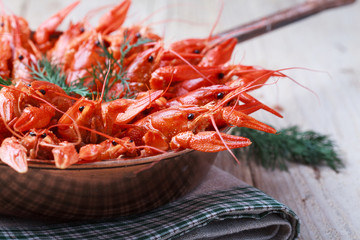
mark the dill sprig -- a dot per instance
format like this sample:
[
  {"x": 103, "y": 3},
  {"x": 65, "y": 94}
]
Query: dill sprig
[
  {"x": 289, "y": 144},
  {"x": 44, "y": 70},
  {"x": 4, "y": 82},
  {"x": 114, "y": 68}
]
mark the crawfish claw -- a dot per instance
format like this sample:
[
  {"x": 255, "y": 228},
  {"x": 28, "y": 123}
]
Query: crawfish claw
[
  {"x": 115, "y": 18},
  {"x": 65, "y": 155},
  {"x": 43, "y": 32},
  {"x": 34, "y": 117},
  {"x": 14, "y": 154},
  {"x": 241, "y": 119},
  {"x": 209, "y": 141}
]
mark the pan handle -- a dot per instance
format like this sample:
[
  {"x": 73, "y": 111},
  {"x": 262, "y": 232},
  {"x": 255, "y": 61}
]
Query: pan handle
[{"x": 282, "y": 18}]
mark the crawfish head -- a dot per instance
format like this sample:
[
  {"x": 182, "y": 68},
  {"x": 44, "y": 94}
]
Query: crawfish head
[
  {"x": 202, "y": 96},
  {"x": 12, "y": 26},
  {"x": 43, "y": 32},
  {"x": 26, "y": 113},
  {"x": 191, "y": 45},
  {"x": 83, "y": 114},
  {"x": 39, "y": 143},
  {"x": 50, "y": 92},
  {"x": 215, "y": 141},
  {"x": 164, "y": 124},
  {"x": 144, "y": 65}
]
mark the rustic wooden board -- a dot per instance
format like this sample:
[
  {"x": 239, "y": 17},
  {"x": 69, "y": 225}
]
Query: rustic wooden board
[{"x": 327, "y": 203}]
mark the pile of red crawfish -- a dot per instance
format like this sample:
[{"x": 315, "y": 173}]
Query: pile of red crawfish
[{"x": 142, "y": 98}]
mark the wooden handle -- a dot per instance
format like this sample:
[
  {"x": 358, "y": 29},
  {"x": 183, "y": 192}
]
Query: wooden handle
[{"x": 282, "y": 18}]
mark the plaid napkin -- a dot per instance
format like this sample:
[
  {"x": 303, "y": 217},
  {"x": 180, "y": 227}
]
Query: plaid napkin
[{"x": 238, "y": 211}]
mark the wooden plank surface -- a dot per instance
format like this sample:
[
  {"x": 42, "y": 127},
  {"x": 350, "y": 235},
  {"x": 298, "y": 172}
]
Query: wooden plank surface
[{"x": 327, "y": 203}]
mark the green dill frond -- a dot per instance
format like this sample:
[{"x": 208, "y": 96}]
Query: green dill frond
[
  {"x": 5, "y": 82},
  {"x": 44, "y": 70},
  {"x": 289, "y": 145},
  {"x": 115, "y": 67}
]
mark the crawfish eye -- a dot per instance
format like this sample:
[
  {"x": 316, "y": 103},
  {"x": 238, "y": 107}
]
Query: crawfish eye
[
  {"x": 197, "y": 51},
  {"x": 190, "y": 116},
  {"x": 114, "y": 143},
  {"x": 97, "y": 43},
  {"x": 221, "y": 76},
  {"x": 42, "y": 91},
  {"x": 82, "y": 29},
  {"x": 32, "y": 134},
  {"x": 138, "y": 35},
  {"x": 20, "y": 57},
  {"x": 81, "y": 108},
  {"x": 150, "y": 59},
  {"x": 43, "y": 135},
  {"x": 29, "y": 85},
  {"x": 131, "y": 140},
  {"x": 220, "y": 95}
]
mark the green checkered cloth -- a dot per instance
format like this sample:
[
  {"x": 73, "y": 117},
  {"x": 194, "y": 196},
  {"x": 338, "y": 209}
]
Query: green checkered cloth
[{"x": 185, "y": 218}]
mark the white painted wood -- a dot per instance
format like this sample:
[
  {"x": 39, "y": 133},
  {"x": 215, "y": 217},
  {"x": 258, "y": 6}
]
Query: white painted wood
[{"x": 327, "y": 203}]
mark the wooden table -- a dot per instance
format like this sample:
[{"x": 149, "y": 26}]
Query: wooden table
[{"x": 328, "y": 203}]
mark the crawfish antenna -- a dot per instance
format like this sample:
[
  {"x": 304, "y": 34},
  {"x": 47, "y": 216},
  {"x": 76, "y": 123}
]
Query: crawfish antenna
[
  {"x": 92, "y": 12},
  {"x": 222, "y": 139},
  {"x": 217, "y": 19},
  {"x": 2, "y": 7},
  {"x": 142, "y": 22},
  {"x": 105, "y": 82},
  {"x": 9, "y": 128},
  {"x": 190, "y": 65}
]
